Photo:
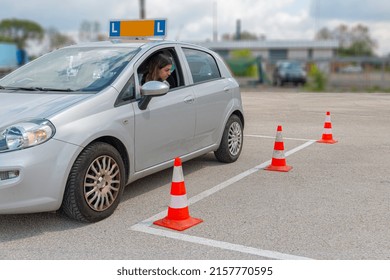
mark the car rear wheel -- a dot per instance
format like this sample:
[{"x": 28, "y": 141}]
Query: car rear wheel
[
  {"x": 95, "y": 184},
  {"x": 232, "y": 140},
  {"x": 279, "y": 82}
]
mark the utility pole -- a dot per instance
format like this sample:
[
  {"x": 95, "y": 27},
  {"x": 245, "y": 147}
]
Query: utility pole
[
  {"x": 142, "y": 9},
  {"x": 215, "y": 22},
  {"x": 238, "y": 30},
  {"x": 316, "y": 12}
]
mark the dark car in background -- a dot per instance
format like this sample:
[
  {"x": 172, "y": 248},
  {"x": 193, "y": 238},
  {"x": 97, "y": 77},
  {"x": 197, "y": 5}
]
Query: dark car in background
[{"x": 288, "y": 72}]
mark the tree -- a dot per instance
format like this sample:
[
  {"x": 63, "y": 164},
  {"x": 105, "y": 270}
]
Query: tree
[
  {"x": 89, "y": 31},
  {"x": 6, "y": 39},
  {"x": 355, "y": 41},
  {"x": 242, "y": 63},
  {"x": 19, "y": 31},
  {"x": 57, "y": 39}
]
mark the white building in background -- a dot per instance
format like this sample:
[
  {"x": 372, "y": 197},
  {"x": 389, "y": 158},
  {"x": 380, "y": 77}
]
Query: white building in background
[{"x": 272, "y": 51}]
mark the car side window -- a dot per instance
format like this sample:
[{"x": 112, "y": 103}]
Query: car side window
[
  {"x": 203, "y": 66},
  {"x": 175, "y": 79},
  {"x": 127, "y": 94}
]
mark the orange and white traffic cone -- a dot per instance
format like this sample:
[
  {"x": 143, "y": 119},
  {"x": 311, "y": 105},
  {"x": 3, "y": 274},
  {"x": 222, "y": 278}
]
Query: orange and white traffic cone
[
  {"x": 278, "y": 162},
  {"x": 327, "y": 136},
  {"x": 178, "y": 217}
]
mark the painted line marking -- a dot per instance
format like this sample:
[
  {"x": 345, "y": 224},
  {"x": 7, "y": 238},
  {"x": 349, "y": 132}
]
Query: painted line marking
[
  {"x": 273, "y": 137},
  {"x": 146, "y": 225},
  {"x": 216, "y": 243}
]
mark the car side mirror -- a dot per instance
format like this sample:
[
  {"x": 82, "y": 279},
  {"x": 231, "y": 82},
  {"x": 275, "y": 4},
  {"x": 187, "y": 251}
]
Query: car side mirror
[{"x": 149, "y": 90}]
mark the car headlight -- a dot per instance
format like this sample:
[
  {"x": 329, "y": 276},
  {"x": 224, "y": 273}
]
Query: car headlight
[{"x": 25, "y": 134}]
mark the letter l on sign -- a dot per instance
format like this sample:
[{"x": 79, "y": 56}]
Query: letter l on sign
[
  {"x": 115, "y": 28},
  {"x": 159, "y": 28}
]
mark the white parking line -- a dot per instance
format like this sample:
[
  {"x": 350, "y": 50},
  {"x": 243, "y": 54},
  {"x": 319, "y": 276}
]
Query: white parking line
[
  {"x": 215, "y": 243},
  {"x": 273, "y": 137},
  {"x": 145, "y": 226}
]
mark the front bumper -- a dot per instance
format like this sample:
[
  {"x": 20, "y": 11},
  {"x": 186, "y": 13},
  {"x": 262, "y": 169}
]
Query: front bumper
[
  {"x": 294, "y": 79},
  {"x": 42, "y": 174}
]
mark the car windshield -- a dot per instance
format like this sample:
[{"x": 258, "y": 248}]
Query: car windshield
[
  {"x": 292, "y": 66},
  {"x": 71, "y": 70}
]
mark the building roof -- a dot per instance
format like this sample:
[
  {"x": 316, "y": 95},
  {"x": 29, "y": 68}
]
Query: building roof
[{"x": 272, "y": 44}]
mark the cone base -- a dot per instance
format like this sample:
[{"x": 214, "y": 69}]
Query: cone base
[
  {"x": 178, "y": 224},
  {"x": 331, "y": 141},
  {"x": 284, "y": 168}
]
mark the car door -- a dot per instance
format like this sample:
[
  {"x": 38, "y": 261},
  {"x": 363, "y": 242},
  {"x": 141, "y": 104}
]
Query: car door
[
  {"x": 165, "y": 129},
  {"x": 212, "y": 93}
]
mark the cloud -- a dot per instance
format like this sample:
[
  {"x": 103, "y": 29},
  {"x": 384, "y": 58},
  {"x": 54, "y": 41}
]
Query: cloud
[
  {"x": 373, "y": 14},
  {"x": 351, "y": 10},
  {"x": 193, "y": 19},
  {"x": 69, "y": 14}
]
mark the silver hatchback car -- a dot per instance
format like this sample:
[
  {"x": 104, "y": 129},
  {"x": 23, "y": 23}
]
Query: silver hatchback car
[{"x": 76, "y": 126}]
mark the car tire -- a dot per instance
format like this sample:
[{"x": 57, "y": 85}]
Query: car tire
[
  {"x": 232, "y": 140},
  {"x": 95, "y": 184},
  {"x": 279, "y": 82}
]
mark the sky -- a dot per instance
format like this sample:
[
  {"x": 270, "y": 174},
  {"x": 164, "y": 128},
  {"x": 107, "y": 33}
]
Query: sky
[{"x": 193, "y": 20}]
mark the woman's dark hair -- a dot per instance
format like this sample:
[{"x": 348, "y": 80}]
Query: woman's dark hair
[{"x": 156, "y": 63}]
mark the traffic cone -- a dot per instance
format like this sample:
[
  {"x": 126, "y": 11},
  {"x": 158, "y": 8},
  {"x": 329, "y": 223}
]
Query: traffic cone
[
  {"x": 178, "y": 217},
  {"x": 278, "y": 162},
  {"x": 327, "y": 136}
]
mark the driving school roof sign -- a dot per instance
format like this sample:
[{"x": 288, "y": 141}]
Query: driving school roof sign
[{"x": 138, "y": 28}]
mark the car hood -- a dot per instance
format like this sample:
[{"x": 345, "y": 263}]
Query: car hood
[{"x": 15, "y": 107}]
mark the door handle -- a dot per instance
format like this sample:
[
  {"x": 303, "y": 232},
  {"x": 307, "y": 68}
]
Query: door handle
[{"x": 189, "y": 99}]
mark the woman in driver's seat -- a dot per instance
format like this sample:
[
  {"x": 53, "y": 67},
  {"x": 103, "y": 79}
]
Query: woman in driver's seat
[{"x": 159, "y": 69}]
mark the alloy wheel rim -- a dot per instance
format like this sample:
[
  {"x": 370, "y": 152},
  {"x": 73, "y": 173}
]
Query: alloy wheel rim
[
  {"x": 102, "y": 183},
  {"x": 235, "y": 139}
]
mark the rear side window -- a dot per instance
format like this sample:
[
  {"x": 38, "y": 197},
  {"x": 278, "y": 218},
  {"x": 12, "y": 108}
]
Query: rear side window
[{"x": 202, "y": 65}]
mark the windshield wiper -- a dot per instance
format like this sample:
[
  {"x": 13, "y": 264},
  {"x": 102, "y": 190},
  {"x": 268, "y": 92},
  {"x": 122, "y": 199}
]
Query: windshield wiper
[
  {"x": 38, "y": 89},
  {"x": 21, "y": 88},
  {"x": 54, "y": 89}
]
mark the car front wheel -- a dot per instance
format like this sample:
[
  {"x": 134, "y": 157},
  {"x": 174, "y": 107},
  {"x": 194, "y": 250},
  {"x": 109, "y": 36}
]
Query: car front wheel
[
  {"x": 232, "y": 141},
  {"x": 95, "y": 184}
]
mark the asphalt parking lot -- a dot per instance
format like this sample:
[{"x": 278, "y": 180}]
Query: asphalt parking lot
[{"x": 333, "y": 204}]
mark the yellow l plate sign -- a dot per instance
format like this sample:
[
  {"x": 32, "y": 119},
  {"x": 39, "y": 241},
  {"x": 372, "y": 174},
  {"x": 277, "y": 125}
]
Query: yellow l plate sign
[{"x": 137, "y": 28}]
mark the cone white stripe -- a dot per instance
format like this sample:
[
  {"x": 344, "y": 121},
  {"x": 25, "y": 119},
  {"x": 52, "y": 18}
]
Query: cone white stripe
[
  {"x": 177, "y": 176},
  {"x": 327, "y": 131},
  {"x": 178, "y": 201},
  {"x": 279, "y": 137},
  {"x": 278, "y": 154},
  {"x": 327, "y": 118}
]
